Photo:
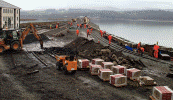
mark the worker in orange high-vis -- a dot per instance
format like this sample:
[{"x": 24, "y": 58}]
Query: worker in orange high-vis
[
  {"x": 71, "y": 24},
  {"x": 139, "y": 47},
  {"x": 77, "y": 25},
  {"x": 88, "y": 32},
  {"x": 110, "y": 38},
  {"x": 80, "y": 25},
  {"x": 77, "y": 32},
  {"x": 91, "y": 30},
  {"x": 104, "y": 32},
  {"x": 142, "y": 50},
  {"x": 56, "y": 25},
  {"x": 101, "y": 33},
  {"x": 156, "y": 50},
  {"x": 50, "y": 26},
  {"x": 84, "y": 25}
]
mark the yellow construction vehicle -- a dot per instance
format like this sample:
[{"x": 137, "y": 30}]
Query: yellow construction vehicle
[
  {"x": 66, "y": 63},
  {"x": 13, "y": 39}
]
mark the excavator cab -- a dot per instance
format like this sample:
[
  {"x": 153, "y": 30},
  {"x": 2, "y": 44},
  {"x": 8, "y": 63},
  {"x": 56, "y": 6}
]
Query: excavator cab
[
  {"x": 9, "y": 39},
  {"x": 10, "y": 36},
  {"x": 66, "y": 63}
]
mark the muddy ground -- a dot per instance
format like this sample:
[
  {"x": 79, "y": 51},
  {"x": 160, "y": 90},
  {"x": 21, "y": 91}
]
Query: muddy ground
[{"x": 17, "y": 83}]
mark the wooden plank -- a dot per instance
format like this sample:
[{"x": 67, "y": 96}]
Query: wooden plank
[
  {"x": 152, "y": 98},
  {"x": 83, "y": 69},
  {"x": 36, "y": 71},
  {"x": 93, "y": 73}
]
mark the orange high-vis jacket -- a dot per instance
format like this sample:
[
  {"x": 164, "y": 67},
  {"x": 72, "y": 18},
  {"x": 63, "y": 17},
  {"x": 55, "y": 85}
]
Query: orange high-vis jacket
[
  {"x": 88, "y": 31},
  {"x": 142, "y": 49},
  {"x": 77, "y": 32},
  {"x": 77, "y": 24},
  {"x": 109, "y": 37},
  {"x": 139, "y": 45},
  {"x": 156, "y": 48},
  {"x": 84, "y": 25}
]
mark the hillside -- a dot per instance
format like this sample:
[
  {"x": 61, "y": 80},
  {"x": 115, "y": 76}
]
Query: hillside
[{"x": 102, "y": 14}]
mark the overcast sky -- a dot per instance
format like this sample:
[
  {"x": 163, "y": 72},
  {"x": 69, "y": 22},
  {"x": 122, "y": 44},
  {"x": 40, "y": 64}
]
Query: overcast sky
[{"x": 121, "y": 4}]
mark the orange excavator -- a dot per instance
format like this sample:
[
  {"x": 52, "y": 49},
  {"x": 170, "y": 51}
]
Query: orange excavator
[
  {"x": 13, "y": 39},
  {"x": 66, "y": 63}
]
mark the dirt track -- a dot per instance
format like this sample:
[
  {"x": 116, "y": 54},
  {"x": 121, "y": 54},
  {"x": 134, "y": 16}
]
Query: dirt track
[{"x": 50, "y": 83}]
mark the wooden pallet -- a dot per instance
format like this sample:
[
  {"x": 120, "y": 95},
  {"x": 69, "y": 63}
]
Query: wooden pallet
[
  {"x": 133, "y": 79},
  {"x": 152, "y": 98},
  {"x": 93, "y": 73},
  {"x": 83, "y": 69},
  {"x": 119, "y": 86},
  {"x": 142, "y": 84},
  {"x": 104, "y": 80}
]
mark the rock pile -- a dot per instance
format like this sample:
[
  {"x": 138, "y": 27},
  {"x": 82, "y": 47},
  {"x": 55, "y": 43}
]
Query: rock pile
[{"x": 90, "y": 50}]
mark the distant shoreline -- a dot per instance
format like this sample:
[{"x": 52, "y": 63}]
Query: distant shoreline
[
  {"x": 153, "y": 20},
  {"x": 28, "y": 19},
  {"x": 144, "y": 20}
]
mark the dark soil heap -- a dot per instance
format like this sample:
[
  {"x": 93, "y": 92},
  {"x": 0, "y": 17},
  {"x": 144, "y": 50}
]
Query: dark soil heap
[
  {"x": 31, "y": 38},
  {"x": 84, "y": 47}
]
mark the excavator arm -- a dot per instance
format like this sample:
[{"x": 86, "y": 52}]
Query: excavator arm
[{"x": 34, "y": 31}]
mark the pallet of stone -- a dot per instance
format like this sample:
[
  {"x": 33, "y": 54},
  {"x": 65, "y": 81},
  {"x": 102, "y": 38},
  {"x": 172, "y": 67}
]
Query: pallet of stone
[
  {"x": 146, "y": 80},
  {"x": 133, "y": 74},
  {"x": 97, "y": 61},
  {"x": 162, "y": 93},
  {"x": 118, "y": 69},
  {"x": 118, "y": 80},
  {"x": 94, "y": 69},
  {"x": 164, "y": 57},
  {"x": 83, "y": 63},
  {"x": 104, "y": 74},
  {"x": 107, "y": 65}
]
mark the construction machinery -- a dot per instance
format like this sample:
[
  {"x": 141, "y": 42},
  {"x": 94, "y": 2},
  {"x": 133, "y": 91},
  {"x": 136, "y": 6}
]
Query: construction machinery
[
  {"x": 13, "y": 39},
  {"x": 86, "y": 20},
  {"x": 66, "y": 63},
  {"x": 74, "y": 20}
]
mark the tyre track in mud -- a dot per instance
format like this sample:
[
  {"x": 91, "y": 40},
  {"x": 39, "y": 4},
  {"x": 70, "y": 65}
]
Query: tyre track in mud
[{"x": 14, "y": 88}]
